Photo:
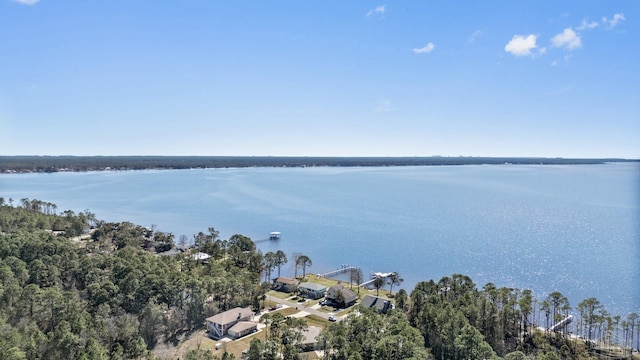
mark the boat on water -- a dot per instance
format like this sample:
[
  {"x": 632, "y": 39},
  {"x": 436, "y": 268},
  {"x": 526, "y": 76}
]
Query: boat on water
[
  {"x": 375, "y": 275},
  {"x": 274, "y": 235}
]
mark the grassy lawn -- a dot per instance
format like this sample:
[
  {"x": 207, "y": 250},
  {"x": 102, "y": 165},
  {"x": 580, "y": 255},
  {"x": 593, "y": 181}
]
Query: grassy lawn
[
  {"x": 347, "y": 310},
  {"x": 326, "y": 309},
  {"x": 314, "y": 320},
  {"x": 312, "y": 278},
  {"x": 202, "y": 341},
  {"x": 278, "y": 294},
  {"x": 286, "y": 311}
]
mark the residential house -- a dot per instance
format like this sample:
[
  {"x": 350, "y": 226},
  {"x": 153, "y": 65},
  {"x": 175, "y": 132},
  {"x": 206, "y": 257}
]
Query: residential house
[
  {"x": 285, "y": 284},
  {"x": 224, "y": 323},
  {"x": 342, "y": 296},
  {"x": 309, "y": 339},
  {"x": 374, "y": 302},
  {"x": 174, "y": 251},
  {"x": 312, "y": 290},
  {"x": 241, "y": 329}
]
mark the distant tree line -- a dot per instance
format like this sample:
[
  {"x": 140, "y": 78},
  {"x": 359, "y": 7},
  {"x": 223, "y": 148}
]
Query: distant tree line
[
  {"x": 112, "y": 296},
  {"x": 98, "y": 163}
]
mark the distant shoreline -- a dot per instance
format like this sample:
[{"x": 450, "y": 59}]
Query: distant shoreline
[{"x": 50, "y": 164}]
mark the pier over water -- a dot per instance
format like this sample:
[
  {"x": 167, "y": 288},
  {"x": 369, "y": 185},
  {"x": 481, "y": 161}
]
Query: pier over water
[
  {"x": 345, "y": 269},
  {"x": 342, "y": 270}
]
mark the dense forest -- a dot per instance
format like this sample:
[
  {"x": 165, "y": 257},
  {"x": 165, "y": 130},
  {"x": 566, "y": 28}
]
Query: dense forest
[
  {"x": 112, "y": 296},
  {"x": 95, "y": 163}
]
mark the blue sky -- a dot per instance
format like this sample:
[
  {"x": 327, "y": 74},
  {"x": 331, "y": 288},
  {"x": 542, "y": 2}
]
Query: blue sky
[{"x": 320, "y": 78}]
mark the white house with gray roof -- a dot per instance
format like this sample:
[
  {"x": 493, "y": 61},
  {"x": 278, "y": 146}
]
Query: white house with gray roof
[{"x": 312, "y": 290}]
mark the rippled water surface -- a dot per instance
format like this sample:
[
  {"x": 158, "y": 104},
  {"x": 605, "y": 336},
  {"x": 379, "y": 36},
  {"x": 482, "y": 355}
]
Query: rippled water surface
[{"x": 574, "y": 229}]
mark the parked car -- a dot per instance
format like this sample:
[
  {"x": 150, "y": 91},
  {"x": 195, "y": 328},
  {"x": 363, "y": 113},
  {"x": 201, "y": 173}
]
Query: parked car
[{"x": 332, "y": 318}]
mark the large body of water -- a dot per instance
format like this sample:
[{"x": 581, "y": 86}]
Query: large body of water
[{"x": 573, "y": 229}]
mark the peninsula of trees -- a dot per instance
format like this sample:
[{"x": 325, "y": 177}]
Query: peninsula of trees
[
  {"x": 112, "y": 296},
  {"x": 98, "y": 163}
]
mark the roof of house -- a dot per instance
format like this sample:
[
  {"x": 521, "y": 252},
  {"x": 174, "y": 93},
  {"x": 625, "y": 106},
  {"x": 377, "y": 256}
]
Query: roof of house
[
  {"x": 175, "y": 251},
  {"x": 230, "y": 316},
  {"x": 172, "y": 252},
  {"x": 243, "y": 326},
  {"x": 310, "y": 334},
  {"x": 347, "y": 294},
  {"x": 313, "y": 286},
  {"x": 375, "y": 302},
  {"x": 286, "y": 280}
]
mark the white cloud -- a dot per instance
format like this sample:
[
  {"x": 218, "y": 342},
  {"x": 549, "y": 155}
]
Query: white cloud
[
  {"x": 587, "y": 25},
  {"x": 521, "y": 45},
  {"x": 378, "y": 10},
  {"x": 426, "y": 49},
  {"x": 617, "y": 18},
  {"x": 27, "y": 2},
  {"x": 567, "y": 39},
  {"x": 476, "y": 34}
]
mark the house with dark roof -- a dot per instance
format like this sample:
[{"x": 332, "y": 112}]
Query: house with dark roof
[
  {"x": 174, "y": 251},
  {"x": 374, "y": 302},
  {"x": 223, "y": 324},
  {"x": 342, "y": 296},
  {"x": 285, "y": 284},
  {"x": 312, "y": 290}
]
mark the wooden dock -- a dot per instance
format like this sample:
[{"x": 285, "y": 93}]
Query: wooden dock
[
  {"x": 374, "y": 276},
  {"x": 343, "y": 270}
]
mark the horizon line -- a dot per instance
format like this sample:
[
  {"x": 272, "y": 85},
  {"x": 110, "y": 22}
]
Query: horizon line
[{"x": 342, "y": 156}]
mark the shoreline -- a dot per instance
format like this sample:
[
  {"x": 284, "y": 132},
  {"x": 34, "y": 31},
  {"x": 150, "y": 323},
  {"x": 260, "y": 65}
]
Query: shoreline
[{"x": 52, "y": 164}]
